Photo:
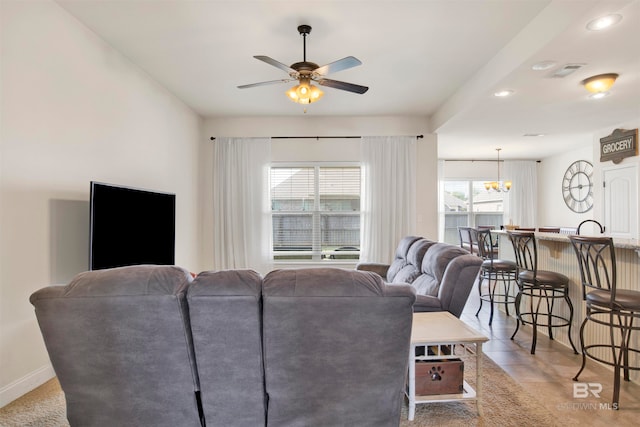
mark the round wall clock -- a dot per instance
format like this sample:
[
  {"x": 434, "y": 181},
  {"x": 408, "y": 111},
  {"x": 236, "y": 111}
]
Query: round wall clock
[{"x": 577, "y": 186}]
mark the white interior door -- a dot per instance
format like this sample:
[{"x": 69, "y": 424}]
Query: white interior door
[{"x": 620, "y": 200}]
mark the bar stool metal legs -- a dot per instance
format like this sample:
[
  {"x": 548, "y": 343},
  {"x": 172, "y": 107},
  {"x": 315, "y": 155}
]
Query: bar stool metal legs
[
  {"x": 536, "y": 296},
  {"x": 621, "y": 328},
  {"x": 498, "y": 289},
  {"x": 608, "y": 306}
]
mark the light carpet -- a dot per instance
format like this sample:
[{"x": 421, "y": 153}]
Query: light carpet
[{"x": 504, "y": 403}]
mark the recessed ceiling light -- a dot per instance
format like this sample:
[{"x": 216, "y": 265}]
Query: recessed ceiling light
[
  {"x": 503, "y": 93},
  {"x": 598, "y": 95},
  {"x": 544, "y": 65},
  {"x": 603, "y": 22}
]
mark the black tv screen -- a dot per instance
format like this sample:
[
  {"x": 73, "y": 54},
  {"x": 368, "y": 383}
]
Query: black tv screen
[{"x": 130, "y": 226}]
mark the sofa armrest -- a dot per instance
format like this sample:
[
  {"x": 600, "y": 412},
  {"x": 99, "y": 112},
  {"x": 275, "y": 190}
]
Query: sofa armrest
[
  {"x": 457, "y": 282},
  {"x": 400, "y": 290},
  {"x": 379, "y": 269},
  {"x": 427, "y": 303}
]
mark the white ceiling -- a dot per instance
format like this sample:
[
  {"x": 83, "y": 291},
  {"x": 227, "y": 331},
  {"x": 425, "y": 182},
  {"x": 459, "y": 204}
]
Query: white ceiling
[{"x": 440, "y": 59}]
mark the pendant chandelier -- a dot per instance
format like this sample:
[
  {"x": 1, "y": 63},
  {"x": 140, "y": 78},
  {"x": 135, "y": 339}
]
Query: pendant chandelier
[{"x": 499, "y": 185}]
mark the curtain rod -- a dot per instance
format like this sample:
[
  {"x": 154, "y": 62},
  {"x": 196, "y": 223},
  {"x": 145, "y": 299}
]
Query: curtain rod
[
  {"x": 472, "y": 160},
  {"x": 213, "y": 138},
  {"x": 483, "y": 160}
]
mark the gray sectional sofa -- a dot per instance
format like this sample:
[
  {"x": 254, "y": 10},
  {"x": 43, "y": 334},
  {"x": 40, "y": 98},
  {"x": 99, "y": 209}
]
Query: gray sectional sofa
[
  {"x": 441, "y": 274},
  {"x": 150, "y": 346}
]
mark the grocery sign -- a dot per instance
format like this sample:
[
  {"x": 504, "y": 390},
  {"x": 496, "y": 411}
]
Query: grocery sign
[{"x": 620, "y": 144}]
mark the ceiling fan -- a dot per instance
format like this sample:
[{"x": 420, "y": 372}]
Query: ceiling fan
[{"x": 306, "y": 72}]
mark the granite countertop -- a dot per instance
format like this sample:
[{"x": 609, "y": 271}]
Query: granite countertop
[{"x": 621, "y": 243}]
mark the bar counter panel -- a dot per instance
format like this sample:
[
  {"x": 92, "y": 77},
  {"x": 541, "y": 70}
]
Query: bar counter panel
[{"x": 555, "y": 253}]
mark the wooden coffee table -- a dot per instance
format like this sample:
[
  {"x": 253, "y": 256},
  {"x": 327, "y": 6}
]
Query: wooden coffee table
[{"x": 439, "y": 332}]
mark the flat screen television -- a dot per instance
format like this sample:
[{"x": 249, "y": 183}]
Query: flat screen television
[{"x": 130, "y": 226}]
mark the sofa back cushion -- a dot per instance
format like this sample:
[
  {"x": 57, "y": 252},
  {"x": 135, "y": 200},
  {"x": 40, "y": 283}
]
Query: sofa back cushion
[
  {"x": 117, "y": 339},
  {"x": 415, "y": 255},
  {"x": 434, "y": 264},
  {"x": 400, "y": 258},
  {"x": 336, "y": 345},
  {"x": 225, "y": 313}
]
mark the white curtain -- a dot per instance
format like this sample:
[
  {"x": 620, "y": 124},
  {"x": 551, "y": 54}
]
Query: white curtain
[
  {"x": 441, "y": 212},
  {"x": 388, "y": 205},
  {"x": 241, "y": 227},
  {"x": 521, "y": 202}
]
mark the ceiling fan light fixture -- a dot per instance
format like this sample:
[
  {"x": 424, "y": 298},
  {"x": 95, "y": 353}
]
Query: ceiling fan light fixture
[
  {"x": 316, "y": 93},
  {"x": 306, "y": 72},
  {"x": 304, "y": 93},
  {"x": 600, "y": 83}
]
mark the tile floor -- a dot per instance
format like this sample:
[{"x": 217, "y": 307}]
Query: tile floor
[{"x": 548, "y": 374}]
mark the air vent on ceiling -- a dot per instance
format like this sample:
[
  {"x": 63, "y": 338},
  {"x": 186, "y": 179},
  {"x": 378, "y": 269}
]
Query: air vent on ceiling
[{"x": 566, "y": 70}]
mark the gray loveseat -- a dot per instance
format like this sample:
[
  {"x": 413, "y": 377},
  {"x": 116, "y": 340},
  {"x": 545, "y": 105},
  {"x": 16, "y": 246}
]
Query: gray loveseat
[
  {"x": 441, "y": 274},
  {"x": 150, "y": 346}
]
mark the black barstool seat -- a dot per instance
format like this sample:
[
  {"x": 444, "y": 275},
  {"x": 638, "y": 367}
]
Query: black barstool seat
[
  {"x": 544, "y": 278},
  {"x": 625, "y": 299},
  {"x": 499, "y": 264}
]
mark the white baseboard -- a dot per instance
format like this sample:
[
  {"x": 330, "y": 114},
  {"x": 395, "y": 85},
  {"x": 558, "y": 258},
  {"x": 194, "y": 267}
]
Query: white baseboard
[{"x": 23, "y": 385}]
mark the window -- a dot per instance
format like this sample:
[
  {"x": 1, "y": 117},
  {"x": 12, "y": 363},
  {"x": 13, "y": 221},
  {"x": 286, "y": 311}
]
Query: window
[
  {"x": 468, "y": 203},
  {"x": 315, "y": 212}
]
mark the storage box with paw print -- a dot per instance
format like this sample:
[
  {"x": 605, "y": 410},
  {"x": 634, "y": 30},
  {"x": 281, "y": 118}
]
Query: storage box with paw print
[{"x": 439, "y": 377}]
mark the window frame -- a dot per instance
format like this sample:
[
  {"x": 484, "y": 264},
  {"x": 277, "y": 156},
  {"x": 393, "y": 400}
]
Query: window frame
[
  {"x": 316, "y": 253},
  {"x": 471, "y": 214}
]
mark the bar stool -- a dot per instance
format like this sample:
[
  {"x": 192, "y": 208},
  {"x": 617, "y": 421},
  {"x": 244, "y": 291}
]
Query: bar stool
[
  {"x": 539, "y": 286},
  {"x": 495, "y": 271},
  {"x": 606, "y": 305},
  {"x": 466, "y": 241}
]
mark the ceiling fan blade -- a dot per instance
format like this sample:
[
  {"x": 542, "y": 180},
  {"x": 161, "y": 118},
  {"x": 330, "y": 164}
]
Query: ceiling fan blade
[
  {"x": 270, "y": 82},
  {"x": 275, "y": 63},
  {"x": 339, "y": 65},
  {"x": 350, "y": 87}
]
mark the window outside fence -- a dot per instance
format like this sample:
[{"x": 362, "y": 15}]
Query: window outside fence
[
  {"x": 315, "y": 211},
  {"x": 469, "y": 204}
]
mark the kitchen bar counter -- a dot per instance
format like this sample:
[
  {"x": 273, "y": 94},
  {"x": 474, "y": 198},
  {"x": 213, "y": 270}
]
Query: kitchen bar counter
[
  {"x": 555, "y": 253},
  {"x": 632, "y": 244}
]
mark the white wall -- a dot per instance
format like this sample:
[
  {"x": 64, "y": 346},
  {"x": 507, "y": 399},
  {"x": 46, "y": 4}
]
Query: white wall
[
  {"x": 471, "y": 170},
  {"x": 328, "y": 150},
  {"x": 552, "y": 210},
  {"x": 74, "y": 110}
]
